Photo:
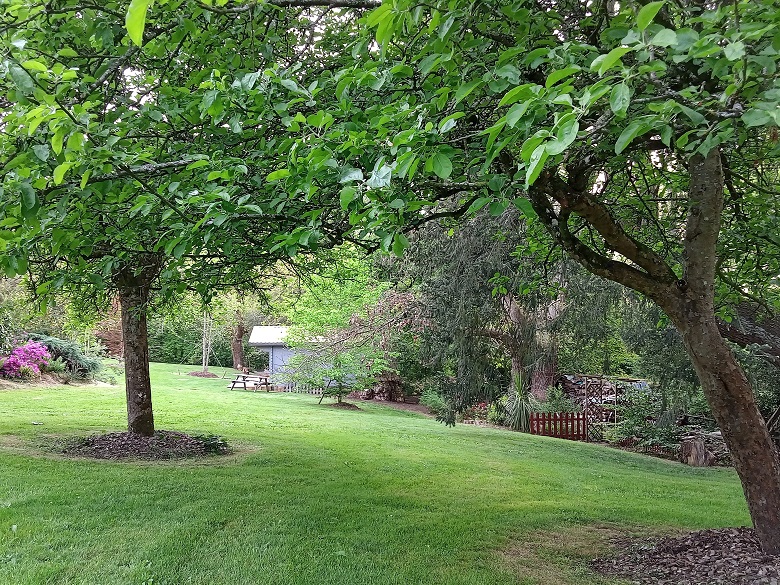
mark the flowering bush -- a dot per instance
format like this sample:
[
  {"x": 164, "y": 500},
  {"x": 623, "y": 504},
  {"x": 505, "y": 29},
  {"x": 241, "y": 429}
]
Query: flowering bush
[
  {"x": 476, "y": 412},
  {"x": 25, "y": 361}
]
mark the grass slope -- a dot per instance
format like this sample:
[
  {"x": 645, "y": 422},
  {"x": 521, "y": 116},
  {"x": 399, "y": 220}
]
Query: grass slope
[{"x": 318, "y": 495}]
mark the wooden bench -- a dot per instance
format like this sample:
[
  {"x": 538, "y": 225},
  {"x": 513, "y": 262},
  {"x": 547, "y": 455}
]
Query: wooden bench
[{"x": 250, "y": 382}]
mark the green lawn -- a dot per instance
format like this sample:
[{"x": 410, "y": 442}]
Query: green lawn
[{"x": 318, "y": 495}]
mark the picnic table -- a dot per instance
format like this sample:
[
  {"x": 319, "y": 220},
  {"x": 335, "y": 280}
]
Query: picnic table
[{"x": 252, "y": 381}]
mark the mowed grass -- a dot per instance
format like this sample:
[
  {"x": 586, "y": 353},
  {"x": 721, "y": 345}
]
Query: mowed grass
[{"x": 318, "y": 495}]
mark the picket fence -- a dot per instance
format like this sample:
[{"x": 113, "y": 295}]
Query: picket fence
[{"x": 562, "y": 425}]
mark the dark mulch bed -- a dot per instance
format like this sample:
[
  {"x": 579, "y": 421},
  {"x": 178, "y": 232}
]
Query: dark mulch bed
[
  {"x": 728, "y": 556},
  {"x": 202, "y": 374},
  {"x": 344, "y": 405},
  {"x": 163, "y": 445}
]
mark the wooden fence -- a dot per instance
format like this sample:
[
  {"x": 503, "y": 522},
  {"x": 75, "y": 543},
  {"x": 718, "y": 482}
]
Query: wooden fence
[
  {"x": 562, "y": 425},
  {"x": 302, "y": 389}
]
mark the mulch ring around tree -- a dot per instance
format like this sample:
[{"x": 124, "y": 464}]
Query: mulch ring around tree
[
  {"x": 163, "y": 445},
  {"x": 203, "y": 374},
  {"x": 344, "y": 405},
  {"x": 727, "y": 556}
]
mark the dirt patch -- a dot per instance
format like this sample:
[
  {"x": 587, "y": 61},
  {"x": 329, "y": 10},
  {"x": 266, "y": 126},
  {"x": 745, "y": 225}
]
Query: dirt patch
[
  {"x": 202, "y": 374},
  {"x": 727, "y": 556},
  {"x": 560, "y": 558},
  {"x": 46, "y": 379},
  {"x": 163, "y": 445}
]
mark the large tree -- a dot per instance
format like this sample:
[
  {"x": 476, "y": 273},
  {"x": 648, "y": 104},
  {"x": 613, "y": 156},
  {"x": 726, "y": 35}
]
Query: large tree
[
  {"x": 637, "y": 132},
  {"x": 487, "y": 306},
  {"x": 185, "y": 164}
]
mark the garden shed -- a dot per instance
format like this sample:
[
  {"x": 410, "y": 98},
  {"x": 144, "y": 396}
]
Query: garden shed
[{"x": 271, "y": 339}]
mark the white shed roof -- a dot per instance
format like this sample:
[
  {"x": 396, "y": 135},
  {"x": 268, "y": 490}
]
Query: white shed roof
[{"x": 268, "y": 335}]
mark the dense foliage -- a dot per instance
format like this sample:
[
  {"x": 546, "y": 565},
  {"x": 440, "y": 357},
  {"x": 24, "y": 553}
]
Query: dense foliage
[
  {"x": 25, "y": 361},
  {"x": 76, "y": 362}
]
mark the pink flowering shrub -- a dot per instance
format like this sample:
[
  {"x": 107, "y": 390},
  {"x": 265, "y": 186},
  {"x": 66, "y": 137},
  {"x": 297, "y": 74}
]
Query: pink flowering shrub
[
  {"x": 476, "y": 412},
  {"x": 25, "y": 361}
]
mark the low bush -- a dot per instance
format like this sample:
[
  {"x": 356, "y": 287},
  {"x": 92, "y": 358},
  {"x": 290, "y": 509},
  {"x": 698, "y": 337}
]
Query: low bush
[
  {"x": 77, "y": 364},
  {"x": 497, "y": 411},
  {"x": 645, "y": 421},
  {"x": 56, "y": 366},
  {"x": 434, "y": 401},
  {"x": 557, "y": 401},
  {"x": 25, "y": 361},
  {"x": 477, "y": 412}
]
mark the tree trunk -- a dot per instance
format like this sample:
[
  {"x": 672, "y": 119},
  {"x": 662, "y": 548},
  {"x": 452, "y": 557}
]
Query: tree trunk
[
  {"x": 733, "y": 405},
  {"x": 207, "y": 342},
  {"x": 237, "y": 341},
  {"x": 518, "y": 379},
  {"x": 133, "y": 297},
  {"x": 689, "y": 303},
  {"x": 692, "y": 310}
]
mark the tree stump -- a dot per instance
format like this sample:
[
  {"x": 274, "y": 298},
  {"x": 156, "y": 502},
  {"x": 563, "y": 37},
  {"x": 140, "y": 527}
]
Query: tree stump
[{"x": 693, "y": 452}]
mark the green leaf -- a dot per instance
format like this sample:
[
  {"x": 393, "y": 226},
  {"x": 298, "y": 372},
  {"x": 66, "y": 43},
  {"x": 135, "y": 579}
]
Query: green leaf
[
  {"x": 611, "y": 59},
  {"x": 290, "y": 84},
  {"x": 21, "y": 79},
  {"x": 516, "y": 112},
  {"x": 445, "y": 27},
  {"x": 535, "y": 165},
  {"x": 464, "y": 90},
  {"x": 693, "y": 115},
  {"x": 380, "y": 177},
  {"x": 734, "y": 51},
  {"x": 400, "y": 243},
  {"x": 516, "y": 94},
  {"x": 28, "y": 195},
  {"x": 59, "y": 172},
  {"x": 376, "y": 16},
  {"x": 647, "y": 14},
  {"x": 525, "y": 206},
  {"x": 666, "y": 135},
  {"x": 498, "y": 207},
  {"x": 75, "y": 141},
  {"x": 57, "y": 139},
  {"x": 276, "y": 175},
  {"x": 478, "y": 204},
  {"x": 634, "y": 129},
  {"x": 350, "y": 174},
  {"x": 197, "y": 164},
  {"x": 41, "y": 151},
  {"x": 442, "y": 165},
  {"x": 85, "y": 179},
  {"x": 179, "y": 250},
  {"x": 560, "y": 74},
  {"x": 664, "y": 38},
  {"x": 529, "y": 146},
  {"x": 567, "y": 129},
  {"x": 34, "y": 65},
  {"x": 619, "y": 99},
  {"x": 135, "y": 20},
  {"x": 497, "y": 182},
  {"x": 347, "y": 196},
  {"x": 449, "y": 122},
  {"x": 755, "y": 117}
]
